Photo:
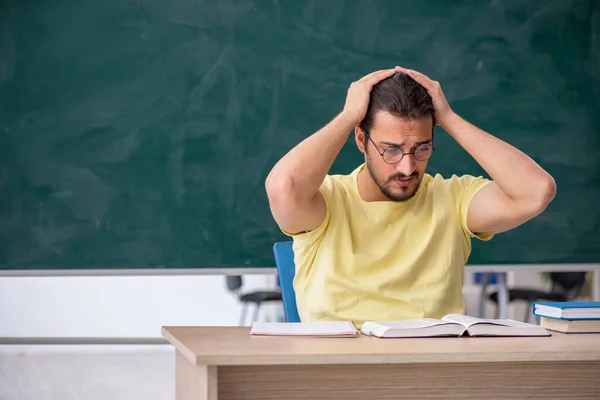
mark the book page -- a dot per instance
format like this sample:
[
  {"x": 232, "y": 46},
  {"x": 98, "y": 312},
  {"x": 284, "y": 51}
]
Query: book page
[
  {"x": 334, "y": 328},
  {"x": 467, "y": 321},
  {"x": 409, "y": 324}
]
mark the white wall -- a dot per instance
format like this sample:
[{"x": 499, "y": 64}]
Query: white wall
[
  {"x": 87, "y": 372},
  {"x": 137, "y": 306},
  {"x": 132, "y": 306}
]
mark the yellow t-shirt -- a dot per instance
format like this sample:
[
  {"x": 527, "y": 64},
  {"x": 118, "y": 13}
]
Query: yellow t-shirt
[{"x": 386, "y": 261}]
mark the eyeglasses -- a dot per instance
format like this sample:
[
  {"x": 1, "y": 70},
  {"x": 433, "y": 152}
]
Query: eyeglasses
[{"x": 393, "y": 154}]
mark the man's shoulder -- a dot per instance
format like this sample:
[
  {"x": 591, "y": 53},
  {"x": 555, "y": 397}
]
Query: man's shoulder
[
  {"x": 440, "y": 181},
  {"x": 342, "y": 183},
  {"x": 456, "y": 186},
  {"x": 332, "y": 180}
]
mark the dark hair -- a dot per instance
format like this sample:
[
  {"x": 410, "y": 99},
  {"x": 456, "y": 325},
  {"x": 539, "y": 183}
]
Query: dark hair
[{"x": 399, "y": 95}]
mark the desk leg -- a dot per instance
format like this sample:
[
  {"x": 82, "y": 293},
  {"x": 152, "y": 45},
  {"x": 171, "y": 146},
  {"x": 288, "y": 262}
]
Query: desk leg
[
  {"x": 194, "y": 382},
  {"x": 502, "y": 295},
  {"x": 482, "y": 297},
  {"x": 596, "y": 285}
]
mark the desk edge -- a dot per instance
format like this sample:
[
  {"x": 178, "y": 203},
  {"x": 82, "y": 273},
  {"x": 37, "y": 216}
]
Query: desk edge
[
  {"x": 180, "y": 347},
  {"x": 449, "y": 358}
]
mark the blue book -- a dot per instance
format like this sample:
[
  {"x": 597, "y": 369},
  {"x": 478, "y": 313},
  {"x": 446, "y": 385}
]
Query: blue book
[{"x": 571, "y": 310}]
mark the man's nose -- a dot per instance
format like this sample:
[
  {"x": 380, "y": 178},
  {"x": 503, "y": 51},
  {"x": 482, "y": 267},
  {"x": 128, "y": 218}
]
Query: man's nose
[{"x": 407, "y": 165}]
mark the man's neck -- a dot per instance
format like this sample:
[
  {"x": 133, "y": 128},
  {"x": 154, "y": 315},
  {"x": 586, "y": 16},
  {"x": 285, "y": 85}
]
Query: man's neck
[{"x": 367, "y": 188}]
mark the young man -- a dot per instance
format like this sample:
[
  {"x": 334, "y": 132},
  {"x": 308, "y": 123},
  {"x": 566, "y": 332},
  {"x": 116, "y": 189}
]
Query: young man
[{"x": 388, "y": 241}]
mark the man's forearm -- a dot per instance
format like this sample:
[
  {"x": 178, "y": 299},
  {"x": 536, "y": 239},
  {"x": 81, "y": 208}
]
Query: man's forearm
[
  {"x": 302, "y": 170},
  {"x": 519, "y": 177}
]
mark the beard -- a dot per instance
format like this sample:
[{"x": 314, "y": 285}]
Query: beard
[{"x": 404, "y": 194}]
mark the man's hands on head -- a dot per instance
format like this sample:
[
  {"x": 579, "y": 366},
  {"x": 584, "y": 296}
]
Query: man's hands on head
[
  {"x": 443, "y": 112},
  {"x": 359, "y": 94}
]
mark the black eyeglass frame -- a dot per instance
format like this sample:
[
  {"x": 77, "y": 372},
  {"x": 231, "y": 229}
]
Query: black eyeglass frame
[{"x": 382, "y": 154}]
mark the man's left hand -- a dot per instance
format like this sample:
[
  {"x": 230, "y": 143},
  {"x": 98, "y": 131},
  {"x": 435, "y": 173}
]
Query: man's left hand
[{"x": 443, "y": 112}]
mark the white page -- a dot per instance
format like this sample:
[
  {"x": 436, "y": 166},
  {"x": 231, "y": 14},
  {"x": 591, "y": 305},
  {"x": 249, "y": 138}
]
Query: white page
[
  {"x": 304, "y": 328},
  {"x": 410, "y": 324},
  {"x": 512, "y": 322},
  {"x": 468, "y": 321}
]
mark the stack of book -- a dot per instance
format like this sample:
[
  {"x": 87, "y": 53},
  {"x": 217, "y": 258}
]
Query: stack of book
[{"x": 569, "y": 317}]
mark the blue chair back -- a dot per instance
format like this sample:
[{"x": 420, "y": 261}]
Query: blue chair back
[{"x": 286, "y": 269}]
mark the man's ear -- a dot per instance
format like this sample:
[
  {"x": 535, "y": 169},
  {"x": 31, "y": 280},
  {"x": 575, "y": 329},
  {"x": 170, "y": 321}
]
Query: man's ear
[{"x": 359, "y": 136}]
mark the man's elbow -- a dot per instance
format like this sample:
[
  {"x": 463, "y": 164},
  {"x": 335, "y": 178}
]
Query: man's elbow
[
  {"x": 545, "y": 193},
  {"x": 279, "y": 188}
]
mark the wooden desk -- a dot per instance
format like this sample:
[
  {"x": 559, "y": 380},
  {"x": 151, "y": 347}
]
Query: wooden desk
[{"x": 227, "y": 363}]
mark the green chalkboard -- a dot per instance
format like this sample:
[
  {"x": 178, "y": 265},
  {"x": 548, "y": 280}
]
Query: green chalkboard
[{"x": 138, "y": 134}]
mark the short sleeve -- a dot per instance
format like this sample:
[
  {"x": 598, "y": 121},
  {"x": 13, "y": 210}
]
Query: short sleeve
[
  {"x": 464, "y": 189},
  {"x": 327, "y": 189}
]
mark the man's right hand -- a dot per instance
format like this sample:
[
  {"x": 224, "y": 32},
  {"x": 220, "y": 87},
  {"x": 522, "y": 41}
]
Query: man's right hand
[{"x": 359, "y": 94}]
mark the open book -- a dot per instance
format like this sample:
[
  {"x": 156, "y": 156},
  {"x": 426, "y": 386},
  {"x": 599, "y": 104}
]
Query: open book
[
  {"x": 311, "y": 329},
  {"x": 452, "y": 325}
]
